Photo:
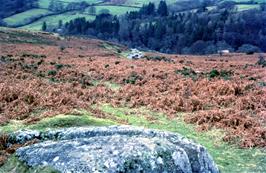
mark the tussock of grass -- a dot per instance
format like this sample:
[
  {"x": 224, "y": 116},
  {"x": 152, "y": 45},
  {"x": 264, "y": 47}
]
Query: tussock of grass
[
  {"x": 15, "y": 166},
  {"x": 70, "y": 121},
  {"x": 58, "y": 121},
  {"x": 108, "y": 84}
]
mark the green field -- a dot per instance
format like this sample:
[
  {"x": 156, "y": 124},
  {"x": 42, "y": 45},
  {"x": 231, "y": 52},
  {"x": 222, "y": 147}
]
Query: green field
[
  {"x": 229, "y": 158},
  {"x": 139, "y": 3},
  {"x": 247, "y": 7},
  {"x": 259, "y": 1},
  {"x": 25, "y": 17},
  {"x": 45, "y": 3},
  {"x": 115, "y": 10},
  {"x": 54, "y": 19}
]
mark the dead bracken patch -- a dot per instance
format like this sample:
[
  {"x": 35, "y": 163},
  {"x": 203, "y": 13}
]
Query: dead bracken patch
[
  {"x": 6, "y": 151},
  {"x": 42, "y": 84}
]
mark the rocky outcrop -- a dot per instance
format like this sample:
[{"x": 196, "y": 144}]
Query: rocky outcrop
[{"x": 114, "y": 149}]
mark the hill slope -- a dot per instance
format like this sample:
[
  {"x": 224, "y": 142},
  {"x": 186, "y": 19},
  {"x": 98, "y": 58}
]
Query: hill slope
[
  {"x": 49, "y": 81},
  {"x": 65, "y": 10}
]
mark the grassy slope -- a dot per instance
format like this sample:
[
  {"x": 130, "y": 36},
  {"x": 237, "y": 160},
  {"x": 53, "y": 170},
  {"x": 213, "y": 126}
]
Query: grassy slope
[
  {"x": 54, "y": 19},
  {"x": 65, "y": 17},
  {"x": 15, "y": 166},
  {"x": 259, "y": 1},
  {"x": 115, "y": 10},
  {"x": 247, "y": 7},
  {"x": 45, "y": 3},
  {"x": 24, "y": 17},
  {"x": 139, "y": 3},
  {"x": 228, "y": 157}
]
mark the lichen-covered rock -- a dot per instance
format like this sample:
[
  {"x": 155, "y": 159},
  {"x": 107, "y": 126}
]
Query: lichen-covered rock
[{"x": 115, "y": 149}]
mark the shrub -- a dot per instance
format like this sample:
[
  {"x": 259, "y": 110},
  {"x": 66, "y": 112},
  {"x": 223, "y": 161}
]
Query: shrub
[
  {"x": 40, "y": 74},
  {"x": 33, "y": 56},
  {"x": 261, "y": 61},
  {"x": 262, "y": 84},
  {"x": 252, "y": 78},
  {"x": 40, "y": 62},
  {"x": 133, "y": 78},
  {"x": 214, "y": 73},
  {"x": 62, "y": 48},
  {"x": 52, "y": 79},
  {"x": 226, "y": 75},
  {"x": 59, "y": 66},
  {"x": 187, "y": 72},
  {"x": 52, "y": 73},
  {"x": 158, "y": 58}
]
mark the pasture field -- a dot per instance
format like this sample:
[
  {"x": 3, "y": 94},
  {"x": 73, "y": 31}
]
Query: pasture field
[
  {"x": 139, "y": 3},
  {"x": 45, "y": 3},
  {"x": 114, "y": 10},
  {"x": 54, "y": 19},
  {"x": 25, "y": 17},
  {"x": 52, "y": 82},
  {"x": 247, "y": 7},
  {"x": 258, "y": 1}
]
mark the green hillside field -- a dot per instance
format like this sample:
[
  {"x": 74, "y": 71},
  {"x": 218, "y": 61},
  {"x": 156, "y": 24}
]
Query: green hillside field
[
  {"x": 54, "y": 20},
  {"x": 25, "y": 17},
  {"x": 33, "y": 19}
]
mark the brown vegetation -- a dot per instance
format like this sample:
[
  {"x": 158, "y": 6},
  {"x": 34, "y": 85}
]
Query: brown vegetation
[{"x": 40, "y": 80}]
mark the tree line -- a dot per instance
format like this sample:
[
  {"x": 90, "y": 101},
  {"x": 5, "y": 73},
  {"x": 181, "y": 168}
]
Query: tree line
[{"x": 192, "y": 32}]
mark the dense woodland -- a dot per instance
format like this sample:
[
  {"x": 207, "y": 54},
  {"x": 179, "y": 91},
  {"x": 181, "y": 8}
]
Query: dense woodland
[
  {"x": 200, "y": 32},
  {"x": 184, "y": 27}
]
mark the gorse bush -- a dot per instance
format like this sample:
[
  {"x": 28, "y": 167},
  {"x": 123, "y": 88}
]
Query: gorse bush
[
  {"x": 187, "y": 72},
  {"x": 214, "y": 73},
  {"x": 133, "y": 78},
  {"x": 52, "y": 73},
  {"x": 59, "y": 66},
  {"x": 226, "y": 75}
]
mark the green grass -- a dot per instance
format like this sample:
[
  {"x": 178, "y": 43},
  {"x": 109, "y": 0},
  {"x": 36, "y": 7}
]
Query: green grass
[
  {"x": 111, "y": 85},
  {"x": 14, "y": 165},
  {"x": 58, "y": 121},
  {"x": 229, "y": 158},
  {"x": 247, "y": 7},
  {"x": 20, "y": 37},
  {"x": 259, "y": 1},
  {"x": 25, "y": 17},
  {"x": 114, "y": 10},
  {"x": 53, "y": 20},
  {"x": 139, "y": 3},
  {"x": 116, "y": 49},
  {"x": 45, "y": 3}
]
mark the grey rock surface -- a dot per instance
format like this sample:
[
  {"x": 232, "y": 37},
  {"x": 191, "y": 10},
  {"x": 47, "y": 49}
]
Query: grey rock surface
[{"x": 114, "y": 149}]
